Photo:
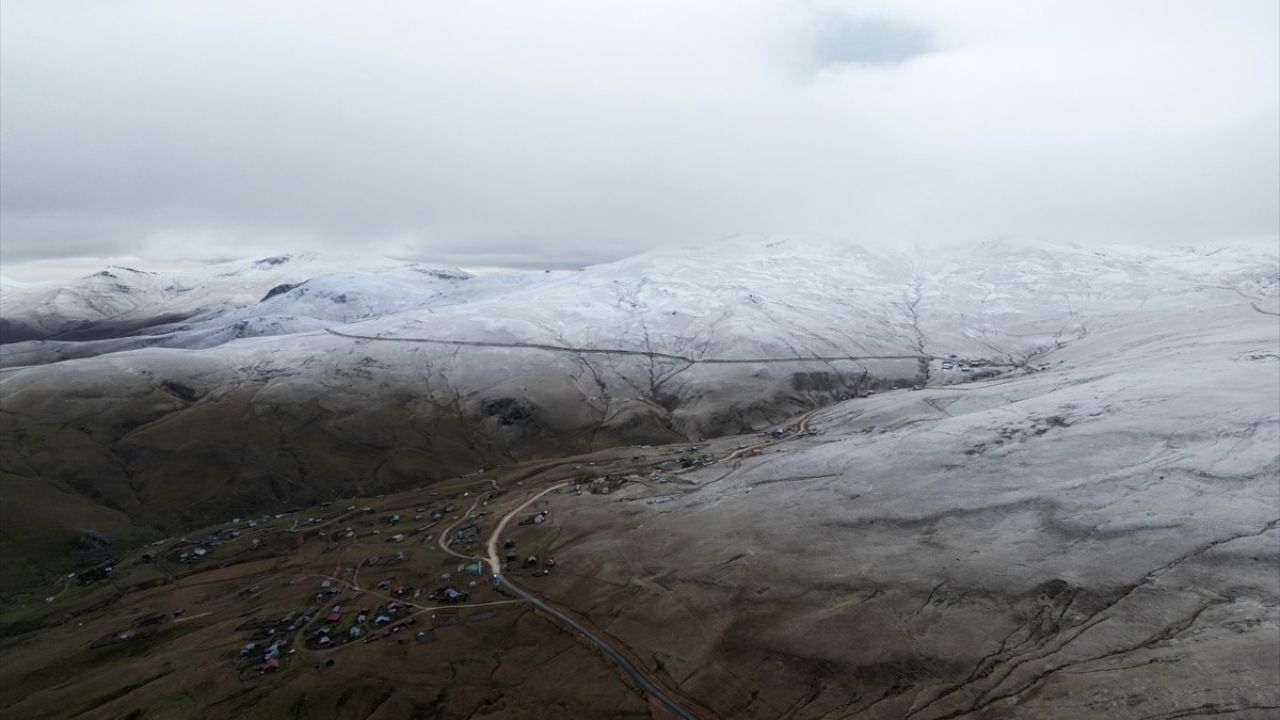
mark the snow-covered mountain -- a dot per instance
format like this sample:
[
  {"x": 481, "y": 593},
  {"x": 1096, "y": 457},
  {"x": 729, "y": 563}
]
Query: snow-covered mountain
[
  {"x": 800, "y": 298},
  {"x": 123, "y": 308},
  {"x": 306, "y": 378},
  {"x": 738, "y": 298},
  {"x": 1098, "y": 540},
  {"x": 116, "y": 298}
]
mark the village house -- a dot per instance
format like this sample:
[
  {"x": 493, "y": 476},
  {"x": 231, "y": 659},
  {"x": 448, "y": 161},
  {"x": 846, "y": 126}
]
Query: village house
[{"x": 452, "y": 595}]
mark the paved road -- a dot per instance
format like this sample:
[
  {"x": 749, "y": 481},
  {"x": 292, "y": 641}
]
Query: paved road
[
  {"x": 618, "y": 657},
  {"x": 637, "y": 676}
]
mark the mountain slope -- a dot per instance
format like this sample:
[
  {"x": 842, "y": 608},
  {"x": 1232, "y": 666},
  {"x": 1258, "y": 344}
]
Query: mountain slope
[
  {"x": 1096, "y": 538},
  {"x": 449, "y": 375},
  {"x": 125, "y": 301}
]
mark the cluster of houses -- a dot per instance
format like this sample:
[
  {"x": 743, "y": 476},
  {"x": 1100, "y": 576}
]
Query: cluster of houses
[
  {"x": 448, "y": 595},
  {"x": 192, "y": 552},
  {"x": 465, "y": 535},
  {"x": 270, "y": 642},
  {"x": 101, "y": 571},
  {"x": 700, "y": 460},
  {"x": 420, "y": 516},
  {"x": 328, "y": 622},
  {"x": 365, "y": 623},
  {"x": 953, "y": 362},
  {"x": 537, "y": 518},
  {"x": 266, "y": 657},
  {"x": 602, "y": 485},
  {"x": 530, "y": 561},
  {"x": 336, "y": 615},
  {"x": 143, "y": 626},
  {"x": 331, "y": 616},
  {"x": 397, "y": 558}
]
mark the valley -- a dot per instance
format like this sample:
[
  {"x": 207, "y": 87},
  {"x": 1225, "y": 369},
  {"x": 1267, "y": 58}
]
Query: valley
[{"x": 1074, "y": 512}]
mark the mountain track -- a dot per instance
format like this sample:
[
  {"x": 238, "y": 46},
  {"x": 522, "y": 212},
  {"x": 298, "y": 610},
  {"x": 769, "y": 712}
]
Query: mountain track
[{"x": 619, "y": 351}]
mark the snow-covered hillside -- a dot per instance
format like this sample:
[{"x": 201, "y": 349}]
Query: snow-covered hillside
[
  {"x": 740, "y": 298},
  {"x": 1097, "y": 540},
  {"x": 129, "y": 299},
  {"x": 373, "y": 375},
  {"x": 803, "y": 298},
  {"x": 124, "y": 309}
]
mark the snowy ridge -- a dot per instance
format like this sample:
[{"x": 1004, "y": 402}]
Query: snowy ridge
[
  {"x": 799, "y": 298},
  {"x": 740, "y": 298},
  {"x": 389, "y": 377},
  {"x": 129, "y": 294}
]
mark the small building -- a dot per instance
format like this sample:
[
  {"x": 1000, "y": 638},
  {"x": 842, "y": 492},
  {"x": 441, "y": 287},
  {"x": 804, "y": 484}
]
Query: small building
[{"x": 453, "y": 595}]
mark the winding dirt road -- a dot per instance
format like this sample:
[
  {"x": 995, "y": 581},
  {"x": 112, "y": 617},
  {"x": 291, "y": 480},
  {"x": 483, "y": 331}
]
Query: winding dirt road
[{"x": 638, "y": 676}]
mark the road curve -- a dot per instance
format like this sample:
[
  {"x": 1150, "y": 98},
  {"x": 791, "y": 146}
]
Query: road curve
[
  {"x": 642, "y": 681},
  {"x": 443, "y": 540},
  {"x": 495, "y": 565}
]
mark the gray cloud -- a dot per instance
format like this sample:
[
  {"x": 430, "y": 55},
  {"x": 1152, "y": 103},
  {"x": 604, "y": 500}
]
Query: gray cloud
[
  {"x": 562, "y": 133},
  {"x": 840, "y": 39}
]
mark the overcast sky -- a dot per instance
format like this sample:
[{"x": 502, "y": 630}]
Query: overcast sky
[{"x": 552, "y": 133}]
